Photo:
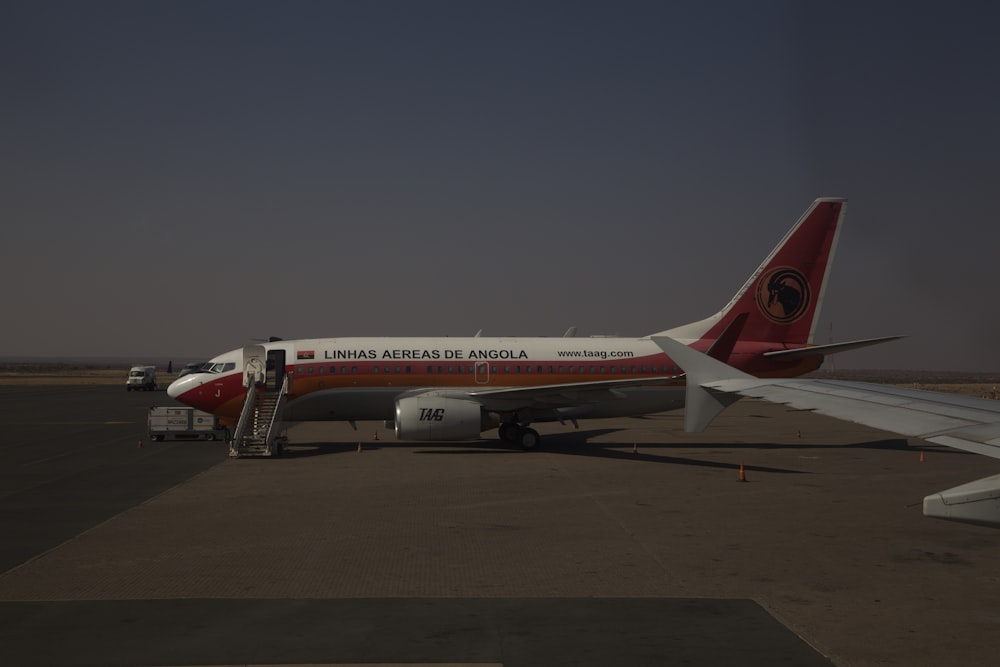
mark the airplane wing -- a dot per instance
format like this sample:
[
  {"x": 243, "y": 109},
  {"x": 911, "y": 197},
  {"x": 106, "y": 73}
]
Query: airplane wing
[
  {"x": 966, "y": 423},
  {"x": 563, "y": 395}
]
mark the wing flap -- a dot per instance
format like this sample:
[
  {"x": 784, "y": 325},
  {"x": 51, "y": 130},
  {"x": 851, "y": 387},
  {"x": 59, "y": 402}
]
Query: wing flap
[
  {"x": 976, "y": 502},
  {"x": 875, "y": 406}
]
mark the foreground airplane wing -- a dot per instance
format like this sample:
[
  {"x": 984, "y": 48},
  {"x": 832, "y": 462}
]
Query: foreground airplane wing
[{"x": 970, "y": 424}]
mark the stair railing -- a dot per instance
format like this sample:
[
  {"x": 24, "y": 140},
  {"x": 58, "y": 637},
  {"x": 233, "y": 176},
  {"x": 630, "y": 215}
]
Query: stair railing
[
  {"x": 275, "y": 425},
  {"x": 241, "y": 425}
]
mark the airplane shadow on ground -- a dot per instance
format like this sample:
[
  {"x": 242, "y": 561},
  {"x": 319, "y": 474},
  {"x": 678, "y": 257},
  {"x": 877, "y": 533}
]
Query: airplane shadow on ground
[{"x": 579, "y": 443}]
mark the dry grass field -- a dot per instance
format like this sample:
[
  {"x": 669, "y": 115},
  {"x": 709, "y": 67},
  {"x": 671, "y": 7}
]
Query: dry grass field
[{"x": 24, "y": 373}]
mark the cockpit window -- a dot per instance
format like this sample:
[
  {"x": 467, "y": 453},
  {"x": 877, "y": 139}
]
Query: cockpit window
[{"x": 218, "y": 367}]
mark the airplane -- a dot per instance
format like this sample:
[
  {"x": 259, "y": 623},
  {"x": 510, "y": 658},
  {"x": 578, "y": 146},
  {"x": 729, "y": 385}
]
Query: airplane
[
  {"x": 455, "y": 389},
  {"x": 961, "y": 422}
]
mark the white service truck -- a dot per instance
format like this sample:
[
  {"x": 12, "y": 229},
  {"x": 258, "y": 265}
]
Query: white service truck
[
  {"x": 184, "y": 424},
  {"x": 141, "y": 378}
]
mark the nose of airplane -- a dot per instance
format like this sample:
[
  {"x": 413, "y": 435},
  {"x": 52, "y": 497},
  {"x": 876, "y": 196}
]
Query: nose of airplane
[{"x": 181, "y": 386}]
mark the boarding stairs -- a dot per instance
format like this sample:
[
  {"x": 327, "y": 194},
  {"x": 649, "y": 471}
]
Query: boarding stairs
[{"x": 260, "y": 431}]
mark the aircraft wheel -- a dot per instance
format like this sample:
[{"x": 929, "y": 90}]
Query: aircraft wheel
[
  {"x": 530, "y": 439},
  {"x": 509, "y": 432}
]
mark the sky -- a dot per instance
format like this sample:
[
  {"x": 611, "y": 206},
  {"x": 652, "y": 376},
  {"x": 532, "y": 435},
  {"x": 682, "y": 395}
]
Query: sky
[{"x": 178, "y": 179}]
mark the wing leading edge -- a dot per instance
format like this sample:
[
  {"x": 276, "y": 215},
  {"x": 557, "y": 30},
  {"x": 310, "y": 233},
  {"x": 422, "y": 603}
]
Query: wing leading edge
[
  {"x": 565, "y": 394},
  {"x": 970, "y": 424}
]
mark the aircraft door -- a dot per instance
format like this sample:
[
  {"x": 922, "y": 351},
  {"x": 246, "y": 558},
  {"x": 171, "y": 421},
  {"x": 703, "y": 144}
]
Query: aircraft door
[
  {"x": 275, "y": 369},
  {"x": 253, "y": 365},
  {"x": 482, "y": 372}
]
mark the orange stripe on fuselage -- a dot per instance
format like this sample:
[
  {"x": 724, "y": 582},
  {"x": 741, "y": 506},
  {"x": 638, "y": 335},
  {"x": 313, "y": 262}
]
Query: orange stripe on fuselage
[{"x": 464, "y": 374}]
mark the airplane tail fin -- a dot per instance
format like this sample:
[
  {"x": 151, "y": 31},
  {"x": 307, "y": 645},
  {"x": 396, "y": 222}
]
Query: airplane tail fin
[{"x": 781, "y": 301}]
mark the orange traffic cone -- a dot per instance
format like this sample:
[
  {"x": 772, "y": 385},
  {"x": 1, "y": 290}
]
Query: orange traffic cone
[
  {"x": 921, "y": 456},
  {"x": 743, "y": 475},
  {"x": 359, "y": 448}
]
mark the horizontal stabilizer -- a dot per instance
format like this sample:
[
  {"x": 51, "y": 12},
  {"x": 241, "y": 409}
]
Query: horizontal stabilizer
[{"x": 832, "y": 348}]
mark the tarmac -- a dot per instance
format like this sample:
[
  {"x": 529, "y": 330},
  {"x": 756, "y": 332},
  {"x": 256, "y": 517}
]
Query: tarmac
[{"x": 624, "y": 542}]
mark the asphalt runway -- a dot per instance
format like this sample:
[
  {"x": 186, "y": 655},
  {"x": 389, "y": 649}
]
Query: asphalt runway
[
  {"x": 71, "y": 459},
  {"x": 626, "y": 542}
]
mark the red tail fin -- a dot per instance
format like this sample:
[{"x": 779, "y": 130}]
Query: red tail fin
[{"x": 782, "y": 298}]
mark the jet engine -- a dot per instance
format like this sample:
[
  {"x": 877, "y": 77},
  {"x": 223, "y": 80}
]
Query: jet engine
[{"x": 438, "y": 416}]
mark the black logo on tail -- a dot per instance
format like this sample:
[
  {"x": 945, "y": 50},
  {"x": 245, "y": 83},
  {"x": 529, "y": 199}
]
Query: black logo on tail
[{"x": 783, "y": 294}]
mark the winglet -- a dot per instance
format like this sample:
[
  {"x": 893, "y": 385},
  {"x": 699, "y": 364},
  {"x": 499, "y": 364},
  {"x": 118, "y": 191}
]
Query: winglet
[{"x": 701, "y": 404}]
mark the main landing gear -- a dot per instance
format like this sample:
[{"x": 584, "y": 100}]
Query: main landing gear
[{"x": 513, "y": 433}]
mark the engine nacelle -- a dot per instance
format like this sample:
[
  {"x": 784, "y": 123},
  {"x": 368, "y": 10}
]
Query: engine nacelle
[{"x": 437, "y": 416}]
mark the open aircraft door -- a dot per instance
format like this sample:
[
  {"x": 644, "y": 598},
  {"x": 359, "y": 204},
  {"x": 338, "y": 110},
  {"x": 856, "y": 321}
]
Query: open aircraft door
[
  {"x": 253, "y": 365},
  {"x": 275, "y": 369}
]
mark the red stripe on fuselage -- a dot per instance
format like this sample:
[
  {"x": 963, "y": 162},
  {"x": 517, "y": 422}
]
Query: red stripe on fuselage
[{"x": 224, "y": 395}]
